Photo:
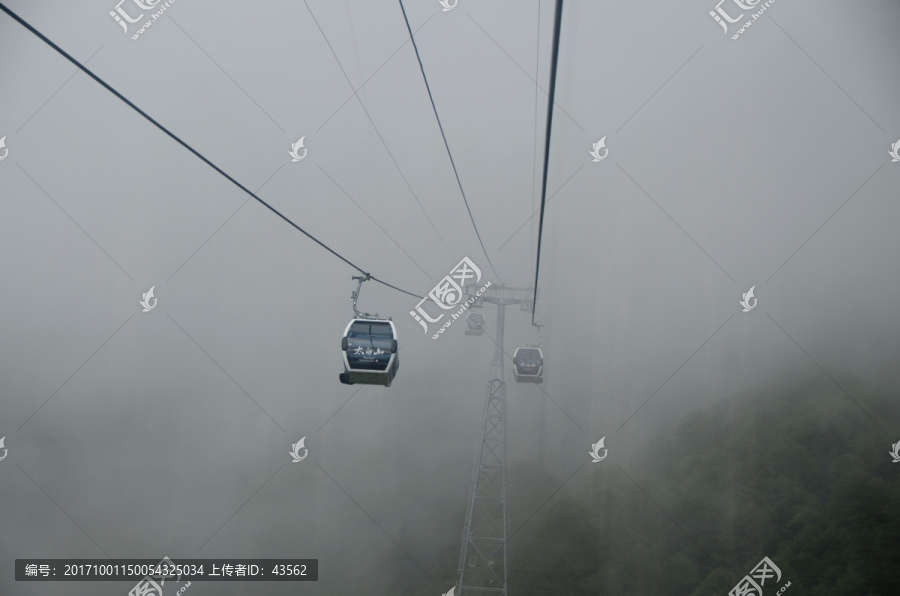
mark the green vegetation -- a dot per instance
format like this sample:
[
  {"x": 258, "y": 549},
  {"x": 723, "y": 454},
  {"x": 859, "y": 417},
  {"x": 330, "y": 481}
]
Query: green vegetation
[
  {"x": 803, "y": 477},
  {"x": 800, "y": 474}
]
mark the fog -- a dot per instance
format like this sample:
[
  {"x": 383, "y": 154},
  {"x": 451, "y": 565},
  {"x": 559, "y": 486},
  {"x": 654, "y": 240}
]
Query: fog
[{"x": 759, "y": 161}]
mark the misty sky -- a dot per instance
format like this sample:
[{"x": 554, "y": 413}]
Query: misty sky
[{"x": 761, "y": 161}]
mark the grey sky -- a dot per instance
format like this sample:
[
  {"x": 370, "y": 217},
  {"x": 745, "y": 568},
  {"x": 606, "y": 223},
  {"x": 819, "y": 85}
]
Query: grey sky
[{"x": 761, "y": 161}]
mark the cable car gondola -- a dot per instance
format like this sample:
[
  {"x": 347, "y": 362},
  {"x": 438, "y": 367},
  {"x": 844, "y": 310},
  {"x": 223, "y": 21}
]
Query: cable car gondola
[
  {"x": 528, "y": 361},
  {"x": 369, "y": 348},
  {"x": 528, "y": 365},
  {"x": 475, "y": 323},
  {"x": 370, "y": 352}
]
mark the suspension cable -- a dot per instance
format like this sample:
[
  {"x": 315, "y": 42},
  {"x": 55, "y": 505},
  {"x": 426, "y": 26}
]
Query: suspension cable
[
  {"x": 551, "y": 99},
  {"x": 446, "y": 145},
  {"x": 150, "y": 119}
]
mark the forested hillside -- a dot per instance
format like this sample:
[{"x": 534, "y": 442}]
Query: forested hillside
[{"x": 801, "y": 475}]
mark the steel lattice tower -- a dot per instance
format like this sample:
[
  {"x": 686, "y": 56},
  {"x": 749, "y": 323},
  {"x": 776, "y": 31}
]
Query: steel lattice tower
[{"x": 484, "y": 558}]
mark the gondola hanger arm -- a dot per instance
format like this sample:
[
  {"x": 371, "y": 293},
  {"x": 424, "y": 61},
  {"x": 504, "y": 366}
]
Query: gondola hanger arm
[{"x": 355, "y": 297}]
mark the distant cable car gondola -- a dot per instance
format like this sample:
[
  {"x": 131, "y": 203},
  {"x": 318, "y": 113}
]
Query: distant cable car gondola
[
  {"x": 475, "y": 323},
  {"x": 529, "y": 365},
  {"x": 369, "y": 348},
  {"x": 528, "y": 361}
]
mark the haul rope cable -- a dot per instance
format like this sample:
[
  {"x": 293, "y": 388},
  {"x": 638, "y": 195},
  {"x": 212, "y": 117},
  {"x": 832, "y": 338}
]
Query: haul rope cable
[
  {"x": 446, "y": 145},
  {"x": 537, "y": 70},
  {"x": 88, "y": 72},
  {"x": 551, "y": 99}
]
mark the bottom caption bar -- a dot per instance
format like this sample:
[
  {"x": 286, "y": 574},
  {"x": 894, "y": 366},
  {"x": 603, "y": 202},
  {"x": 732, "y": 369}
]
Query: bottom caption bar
[{"x": 155, "y": 571}]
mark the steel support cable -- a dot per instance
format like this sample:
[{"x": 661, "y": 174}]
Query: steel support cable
[
  {"x": 375, "y": 128},
  {"x": 446, "y": 145},
  {"x": 537, "y": 70},
  {"x": 177, "y": 139},
  {"x": 551, "y": 99}
]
